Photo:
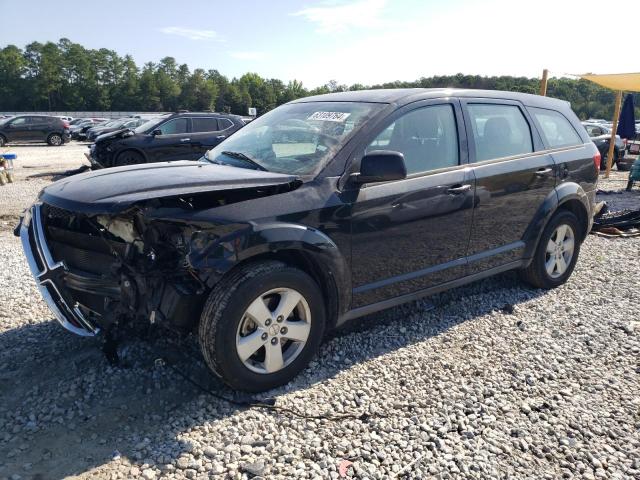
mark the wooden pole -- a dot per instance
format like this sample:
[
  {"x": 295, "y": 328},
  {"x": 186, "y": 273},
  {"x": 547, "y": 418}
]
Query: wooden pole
[
  {"x": 543, "y": 82},
  {"x": 614, "y": 127}
]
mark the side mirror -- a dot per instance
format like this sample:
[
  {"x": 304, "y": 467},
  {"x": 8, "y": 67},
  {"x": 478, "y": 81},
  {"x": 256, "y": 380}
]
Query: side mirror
[
  {"x": 157, "y": 131},
  {"x": 381, "y": 166}
]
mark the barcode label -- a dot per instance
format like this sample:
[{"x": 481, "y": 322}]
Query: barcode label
[{"x": 329, "y": 116}]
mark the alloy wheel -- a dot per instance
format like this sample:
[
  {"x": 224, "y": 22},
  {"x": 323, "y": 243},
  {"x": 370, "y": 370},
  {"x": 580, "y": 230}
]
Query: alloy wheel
[
  {"x": 55, "y": 140},
  {"x": 560, "y": 251},
  {"x": 273, "y": 330}
]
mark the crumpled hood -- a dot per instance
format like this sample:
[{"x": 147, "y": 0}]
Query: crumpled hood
[
  {"x": 108, "y": 133},
  {"x": 115, "y": 189}
]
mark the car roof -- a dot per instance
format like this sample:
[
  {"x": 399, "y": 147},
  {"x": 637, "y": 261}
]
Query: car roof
[{"x": 403, "y": 96}]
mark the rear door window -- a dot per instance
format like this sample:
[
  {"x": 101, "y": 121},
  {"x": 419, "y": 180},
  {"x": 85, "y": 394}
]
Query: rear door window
[
  {"x": 555, "y": 128},
  {"x": 175, "y": 126},
  {"x": 204, "y": 124},
  {"x": 499, "y": 131}
]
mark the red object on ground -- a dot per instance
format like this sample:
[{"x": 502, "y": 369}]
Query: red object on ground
[{"x": 343, "y": 467}]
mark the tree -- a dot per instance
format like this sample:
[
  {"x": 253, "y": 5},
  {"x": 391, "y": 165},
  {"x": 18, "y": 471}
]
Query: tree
[
  {"x": 67, "y": 76},
  {"x": 166, "y": 78},
  {"x": 149, "y": 91},
  {"x": 12, "y": 70}
]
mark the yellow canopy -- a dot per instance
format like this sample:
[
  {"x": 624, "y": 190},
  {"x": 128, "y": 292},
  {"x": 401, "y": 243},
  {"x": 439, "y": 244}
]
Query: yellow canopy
[{"x": 626, "y": 82}]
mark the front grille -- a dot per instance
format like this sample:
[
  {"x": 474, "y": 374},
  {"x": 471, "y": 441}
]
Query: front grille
[
  {"x": 55, "y": 213},
  {"x": 49, "y": 275}
]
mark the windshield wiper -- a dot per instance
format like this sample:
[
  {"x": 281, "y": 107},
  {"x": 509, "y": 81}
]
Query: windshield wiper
[{"x": 246, "y": 158}]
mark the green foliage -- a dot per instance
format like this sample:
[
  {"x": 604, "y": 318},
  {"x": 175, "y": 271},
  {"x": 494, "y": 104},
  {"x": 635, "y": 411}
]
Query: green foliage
[{"x": 67, "y": 76}]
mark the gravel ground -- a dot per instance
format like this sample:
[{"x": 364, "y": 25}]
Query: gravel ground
[
  {"x": 34, "y": 169},
  {"x": 458, "y": 386}
]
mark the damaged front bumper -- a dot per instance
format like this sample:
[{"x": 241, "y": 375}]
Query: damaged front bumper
[{"x": 48, "y": 274}]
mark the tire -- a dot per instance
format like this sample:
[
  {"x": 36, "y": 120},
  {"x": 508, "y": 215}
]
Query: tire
[
  {"x": 3, "y": 141},
  {"x": 537, "y": 274},
  {"x": 629, "y": 185},
  {"x": 623, "y": 167},
  {"x": 55, "y": 140},
  {"x": 225, "y": 322},
  {"x": 128, "y": 157}
]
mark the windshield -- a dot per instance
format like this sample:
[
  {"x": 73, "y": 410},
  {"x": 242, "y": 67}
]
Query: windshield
[
  {"x": 146, "y": 126},
  {"x": 298, "y": 138}
]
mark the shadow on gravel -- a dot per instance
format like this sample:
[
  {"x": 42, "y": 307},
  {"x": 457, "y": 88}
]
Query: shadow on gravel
[{"x": 64, "y": 410}]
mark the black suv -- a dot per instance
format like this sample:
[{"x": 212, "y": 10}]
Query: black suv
[
  {"x": 322, "y": 210},
  {"x": 181, "y": 136},
  {"x": 34, "y": 128}
]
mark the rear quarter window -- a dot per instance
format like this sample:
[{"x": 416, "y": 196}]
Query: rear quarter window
[
  {"x": 225, "y": 123},
  {"x": 555, "y": 129}
]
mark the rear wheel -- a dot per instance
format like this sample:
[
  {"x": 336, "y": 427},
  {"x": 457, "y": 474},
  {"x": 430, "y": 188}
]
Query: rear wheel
[
  {"x": 55, "y": 140},
  {"x": 262, "y": 326},
  {"x": 129, "y": 157},
  {"x": 557, "y": 252},
  {"x": 629, "y": 185}
]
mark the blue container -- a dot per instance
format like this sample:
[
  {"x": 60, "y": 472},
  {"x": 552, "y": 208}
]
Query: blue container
[{"x": 9, "y": 156}]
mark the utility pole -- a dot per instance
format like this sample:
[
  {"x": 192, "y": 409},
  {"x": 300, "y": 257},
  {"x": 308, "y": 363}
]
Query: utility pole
[{"x": 543, "y": 82}]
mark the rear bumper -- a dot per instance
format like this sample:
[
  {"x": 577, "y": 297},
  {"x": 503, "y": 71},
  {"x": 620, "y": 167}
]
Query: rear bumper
[{"x": 48, "y": 274}]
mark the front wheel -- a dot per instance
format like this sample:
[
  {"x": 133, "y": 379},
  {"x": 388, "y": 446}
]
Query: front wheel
[
  {"x": 557, "y": 253},
  {"x": 129, "y": 157},
  {"x": 262, "y": 326}
]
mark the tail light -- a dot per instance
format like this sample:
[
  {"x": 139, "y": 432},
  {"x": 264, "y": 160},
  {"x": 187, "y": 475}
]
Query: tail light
[
  {"x": 65, "y": 124},
  {"x": 596, "y": 160}
]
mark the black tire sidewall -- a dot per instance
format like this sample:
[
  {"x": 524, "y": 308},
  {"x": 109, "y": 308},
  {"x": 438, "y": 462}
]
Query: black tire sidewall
[
  {"x": 230, "y": 367},
  {"x": 561, "y": 217},
  {"x": 128, "y": 155}
]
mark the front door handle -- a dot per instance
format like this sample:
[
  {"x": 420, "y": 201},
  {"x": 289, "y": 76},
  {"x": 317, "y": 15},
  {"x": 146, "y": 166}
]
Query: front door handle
[
  {"x": 185, "y": 139},
  {"x": 457, "y": 190},
  {"x": 220, "y": 137},
  {"x": 541, "y": 172}
]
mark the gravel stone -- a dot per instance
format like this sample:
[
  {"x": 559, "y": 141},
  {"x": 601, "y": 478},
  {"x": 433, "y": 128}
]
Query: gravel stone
[{"x": 454, "y": 386}]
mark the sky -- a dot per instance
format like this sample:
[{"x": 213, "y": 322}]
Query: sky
[{"x": 350, "y": 41}]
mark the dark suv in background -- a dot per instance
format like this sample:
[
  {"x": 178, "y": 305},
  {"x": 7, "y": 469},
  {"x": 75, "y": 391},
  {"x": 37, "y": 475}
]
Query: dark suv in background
[
  {"x": 34, "y": 128},
  {"x": 320, "y": 211},
  {"x": 179, "y": 136}
]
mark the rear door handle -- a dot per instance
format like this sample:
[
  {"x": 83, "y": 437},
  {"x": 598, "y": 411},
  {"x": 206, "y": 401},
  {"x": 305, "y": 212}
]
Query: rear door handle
[
  {"x": 459, "y": 189},
  {"x": 220, "y": 137},
  {"x": 185, "y": 139},
  {"x": 541, "y": 172}
]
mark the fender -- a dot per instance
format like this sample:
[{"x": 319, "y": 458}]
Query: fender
[
  {"x": 559, "y": 196},
  {"x": 250, "y": 240}
]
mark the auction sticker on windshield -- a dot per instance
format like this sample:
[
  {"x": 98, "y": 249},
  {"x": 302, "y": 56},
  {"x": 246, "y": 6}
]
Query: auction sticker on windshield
[{"x": 329, "y": 116}]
